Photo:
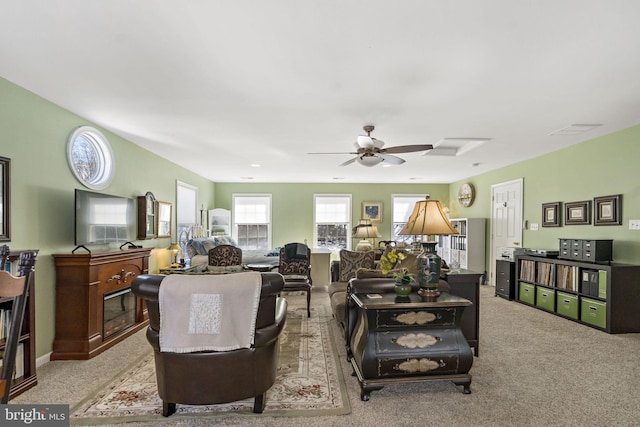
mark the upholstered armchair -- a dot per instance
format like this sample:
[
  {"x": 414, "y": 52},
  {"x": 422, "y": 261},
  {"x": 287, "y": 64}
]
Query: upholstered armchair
[
  {"x": 350, "y": 262},
  {"x": 295, "y": 265},
  {"x": 212, "y": 377},
  {"x": 225, "y": 256}
]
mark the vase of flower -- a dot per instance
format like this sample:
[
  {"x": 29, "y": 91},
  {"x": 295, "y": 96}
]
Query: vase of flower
[{"x": 403, "y": 281}]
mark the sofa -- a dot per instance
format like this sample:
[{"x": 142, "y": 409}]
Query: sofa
[
  {"x": 357, "y": 271},
  {"x": 211, "y": 377},
  {"x": 198, "y": 251}
]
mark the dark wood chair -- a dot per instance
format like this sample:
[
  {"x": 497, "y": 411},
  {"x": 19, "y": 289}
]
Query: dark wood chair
[
  {"x": 295, "y": 265},
  {"x": 14, "y": 291}
]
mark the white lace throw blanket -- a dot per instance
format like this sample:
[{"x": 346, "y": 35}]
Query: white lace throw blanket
[{"x": 208, "y": 312}]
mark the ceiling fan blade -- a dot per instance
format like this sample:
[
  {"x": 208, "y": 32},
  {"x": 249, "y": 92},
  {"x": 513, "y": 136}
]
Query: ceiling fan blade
[
  {"x": 392, "y": 160},
  {"x": 407, "y": 148},
  {"x": 348, "y": 162},
  {"x": 335, "y": 153}
]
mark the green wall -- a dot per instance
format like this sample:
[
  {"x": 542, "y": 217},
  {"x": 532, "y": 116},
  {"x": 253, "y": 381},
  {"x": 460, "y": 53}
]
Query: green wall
[
  {"x": 599, "y": 167},
  {"x": 33, "y": 134},
  {"x": 292, "y": 204}
]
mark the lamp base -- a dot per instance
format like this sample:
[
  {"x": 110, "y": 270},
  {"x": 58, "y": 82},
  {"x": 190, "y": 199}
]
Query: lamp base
[
  {"x": 364, "y": 246},
  {"x": 428, "y": 292}
]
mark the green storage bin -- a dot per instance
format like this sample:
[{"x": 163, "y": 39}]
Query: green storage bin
[
  {"x": 567, "y": 305},
  {"x": 593, "y": 312},
  {"x": 545, "y": 298},
  {"x": 602, "y": 284},
  {"x": 527, "y": 293}
]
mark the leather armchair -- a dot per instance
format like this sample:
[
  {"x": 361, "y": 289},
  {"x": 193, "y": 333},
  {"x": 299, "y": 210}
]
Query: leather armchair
[{"x": 211, "y": 377}]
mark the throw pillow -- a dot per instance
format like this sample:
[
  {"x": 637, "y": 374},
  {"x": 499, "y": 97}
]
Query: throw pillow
[
  {"x": 410, "y": 263},
  {"x": 351, "y": 261},
  {"x": 195, "y": 247}
]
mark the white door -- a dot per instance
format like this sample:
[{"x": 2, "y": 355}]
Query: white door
[{"x": 506, "y": 220}]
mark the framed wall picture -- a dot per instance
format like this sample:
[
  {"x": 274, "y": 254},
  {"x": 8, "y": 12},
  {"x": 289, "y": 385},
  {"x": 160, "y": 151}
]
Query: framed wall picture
[
  {"x": 551, "y": 214},
  {"x": 577, "y": 213},
  {"x": 607, "y": 210},
  {"x": 372, "y": 211}
]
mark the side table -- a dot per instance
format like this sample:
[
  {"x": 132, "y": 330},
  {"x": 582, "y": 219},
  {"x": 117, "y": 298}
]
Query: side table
[
  {"x": 180, "y": 270},
  {"x": 408, "y": 339}
]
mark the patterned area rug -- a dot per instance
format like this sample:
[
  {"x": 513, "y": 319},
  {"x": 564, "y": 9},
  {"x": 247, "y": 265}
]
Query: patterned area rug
[{"x": 309, "y": 382}]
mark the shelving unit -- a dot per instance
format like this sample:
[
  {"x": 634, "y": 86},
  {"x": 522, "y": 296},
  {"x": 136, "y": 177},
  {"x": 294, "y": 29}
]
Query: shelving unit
[
  {"x": 25, "y": 377},
  {"x": 467, "y": 247},
  {"x": 603, "y": 296}
]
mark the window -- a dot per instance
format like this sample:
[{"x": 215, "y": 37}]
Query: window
[
  {"x": 252, "y": 221},
  {"x": 332, "y": 221},
  {"x": 90, "y": 158},
  {"x": 402, "y": 208}
]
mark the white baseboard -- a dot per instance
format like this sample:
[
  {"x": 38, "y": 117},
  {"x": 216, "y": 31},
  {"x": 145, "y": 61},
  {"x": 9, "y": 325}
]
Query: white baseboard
[{"x": 43, "y": 360}]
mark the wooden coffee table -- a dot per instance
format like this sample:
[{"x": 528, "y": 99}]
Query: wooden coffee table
[{"x": 408, "y": 339}]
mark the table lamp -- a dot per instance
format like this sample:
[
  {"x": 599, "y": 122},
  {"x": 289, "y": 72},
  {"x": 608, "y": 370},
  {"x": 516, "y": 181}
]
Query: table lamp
[
  {"x": 174, "y": 248},
  {"x": 365, "y": 230},
  {"x": 428, "y": 218}
]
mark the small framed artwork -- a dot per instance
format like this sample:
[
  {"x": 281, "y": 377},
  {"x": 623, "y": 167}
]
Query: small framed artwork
[
  {"x": 608, "y": 210},
  {"x": 551, "y": 214},
  {"x": 577, "y": 213},
  {"x": 372, "y": 211}
]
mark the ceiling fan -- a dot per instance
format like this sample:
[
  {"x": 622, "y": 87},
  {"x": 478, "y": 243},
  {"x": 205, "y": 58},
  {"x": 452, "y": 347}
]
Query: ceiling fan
[{"x": 369, "y": 151}]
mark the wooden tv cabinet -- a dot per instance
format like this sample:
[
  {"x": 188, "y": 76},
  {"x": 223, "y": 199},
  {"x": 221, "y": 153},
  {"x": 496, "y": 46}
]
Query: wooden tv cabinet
[{"x": 82, "y": 280}]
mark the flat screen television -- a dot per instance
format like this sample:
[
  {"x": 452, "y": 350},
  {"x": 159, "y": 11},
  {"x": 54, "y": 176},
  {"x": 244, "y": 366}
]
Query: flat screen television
[{"x": 103, "y": 218}]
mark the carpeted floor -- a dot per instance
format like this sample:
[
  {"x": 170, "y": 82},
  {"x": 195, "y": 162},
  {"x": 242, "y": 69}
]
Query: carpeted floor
[
  {"x": 534, "y": 369},
  {"x": 309, "y": 382}
]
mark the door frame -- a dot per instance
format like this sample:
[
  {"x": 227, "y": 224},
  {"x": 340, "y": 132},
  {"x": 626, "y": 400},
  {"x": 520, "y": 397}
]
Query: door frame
[{"x": 492, "y": 254}]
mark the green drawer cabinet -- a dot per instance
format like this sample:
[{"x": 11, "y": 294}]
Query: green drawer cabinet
[
  {"x": 527, "y": 293},
  {"x": 605, "y": 296},
  {"x": 593, "y": 312},
  {"x": 567, "y": 305},
  {"x": 545, "y": 298}
]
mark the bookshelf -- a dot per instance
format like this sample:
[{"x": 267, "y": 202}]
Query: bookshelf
[
  {"x": 25, "y": 376},
  {"x": 467, "y": 247},
  {"x": 602, "y": 296}
]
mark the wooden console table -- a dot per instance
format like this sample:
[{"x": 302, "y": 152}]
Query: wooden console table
[
  {"x": 82, "y": 280},
  {"x": 408, "y": 339}
]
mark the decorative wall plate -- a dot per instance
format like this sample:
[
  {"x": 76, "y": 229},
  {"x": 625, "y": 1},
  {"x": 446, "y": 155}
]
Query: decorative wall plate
[{"x": 466, "y": 194}]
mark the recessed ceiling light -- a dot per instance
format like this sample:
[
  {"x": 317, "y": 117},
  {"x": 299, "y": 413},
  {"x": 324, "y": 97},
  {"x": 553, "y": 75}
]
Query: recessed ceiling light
[
  {"x": 387, "y": 165},
  {"x": 338, "y": 177},
  {"x": 255, "y": 165},
  {"x": 414, "y": 178}
]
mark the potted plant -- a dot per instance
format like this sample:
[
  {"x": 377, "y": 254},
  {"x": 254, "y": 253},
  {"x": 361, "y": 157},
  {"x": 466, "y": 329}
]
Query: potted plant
[{"x": 403, "y": 281}]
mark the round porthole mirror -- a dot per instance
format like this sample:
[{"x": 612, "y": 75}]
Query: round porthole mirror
[{"x": 90, "y": 157}]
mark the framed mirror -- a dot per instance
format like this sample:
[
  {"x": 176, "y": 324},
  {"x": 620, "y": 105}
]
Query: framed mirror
[
  {"x": 163, "y": 224},
  {"x": 5, "y": 190}
]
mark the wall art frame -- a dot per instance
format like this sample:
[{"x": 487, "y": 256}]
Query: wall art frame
[
  {"x": 372, "y": 211},
  {"x": 577, "y": 213},
  {"x": 607, "y": 210},
  {"x": 5, "y": 199},
  {"x": 551, "y": 214}
]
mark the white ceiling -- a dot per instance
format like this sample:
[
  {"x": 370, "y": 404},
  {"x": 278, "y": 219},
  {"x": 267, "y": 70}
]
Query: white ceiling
[{"x": 217, "y": 85}]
